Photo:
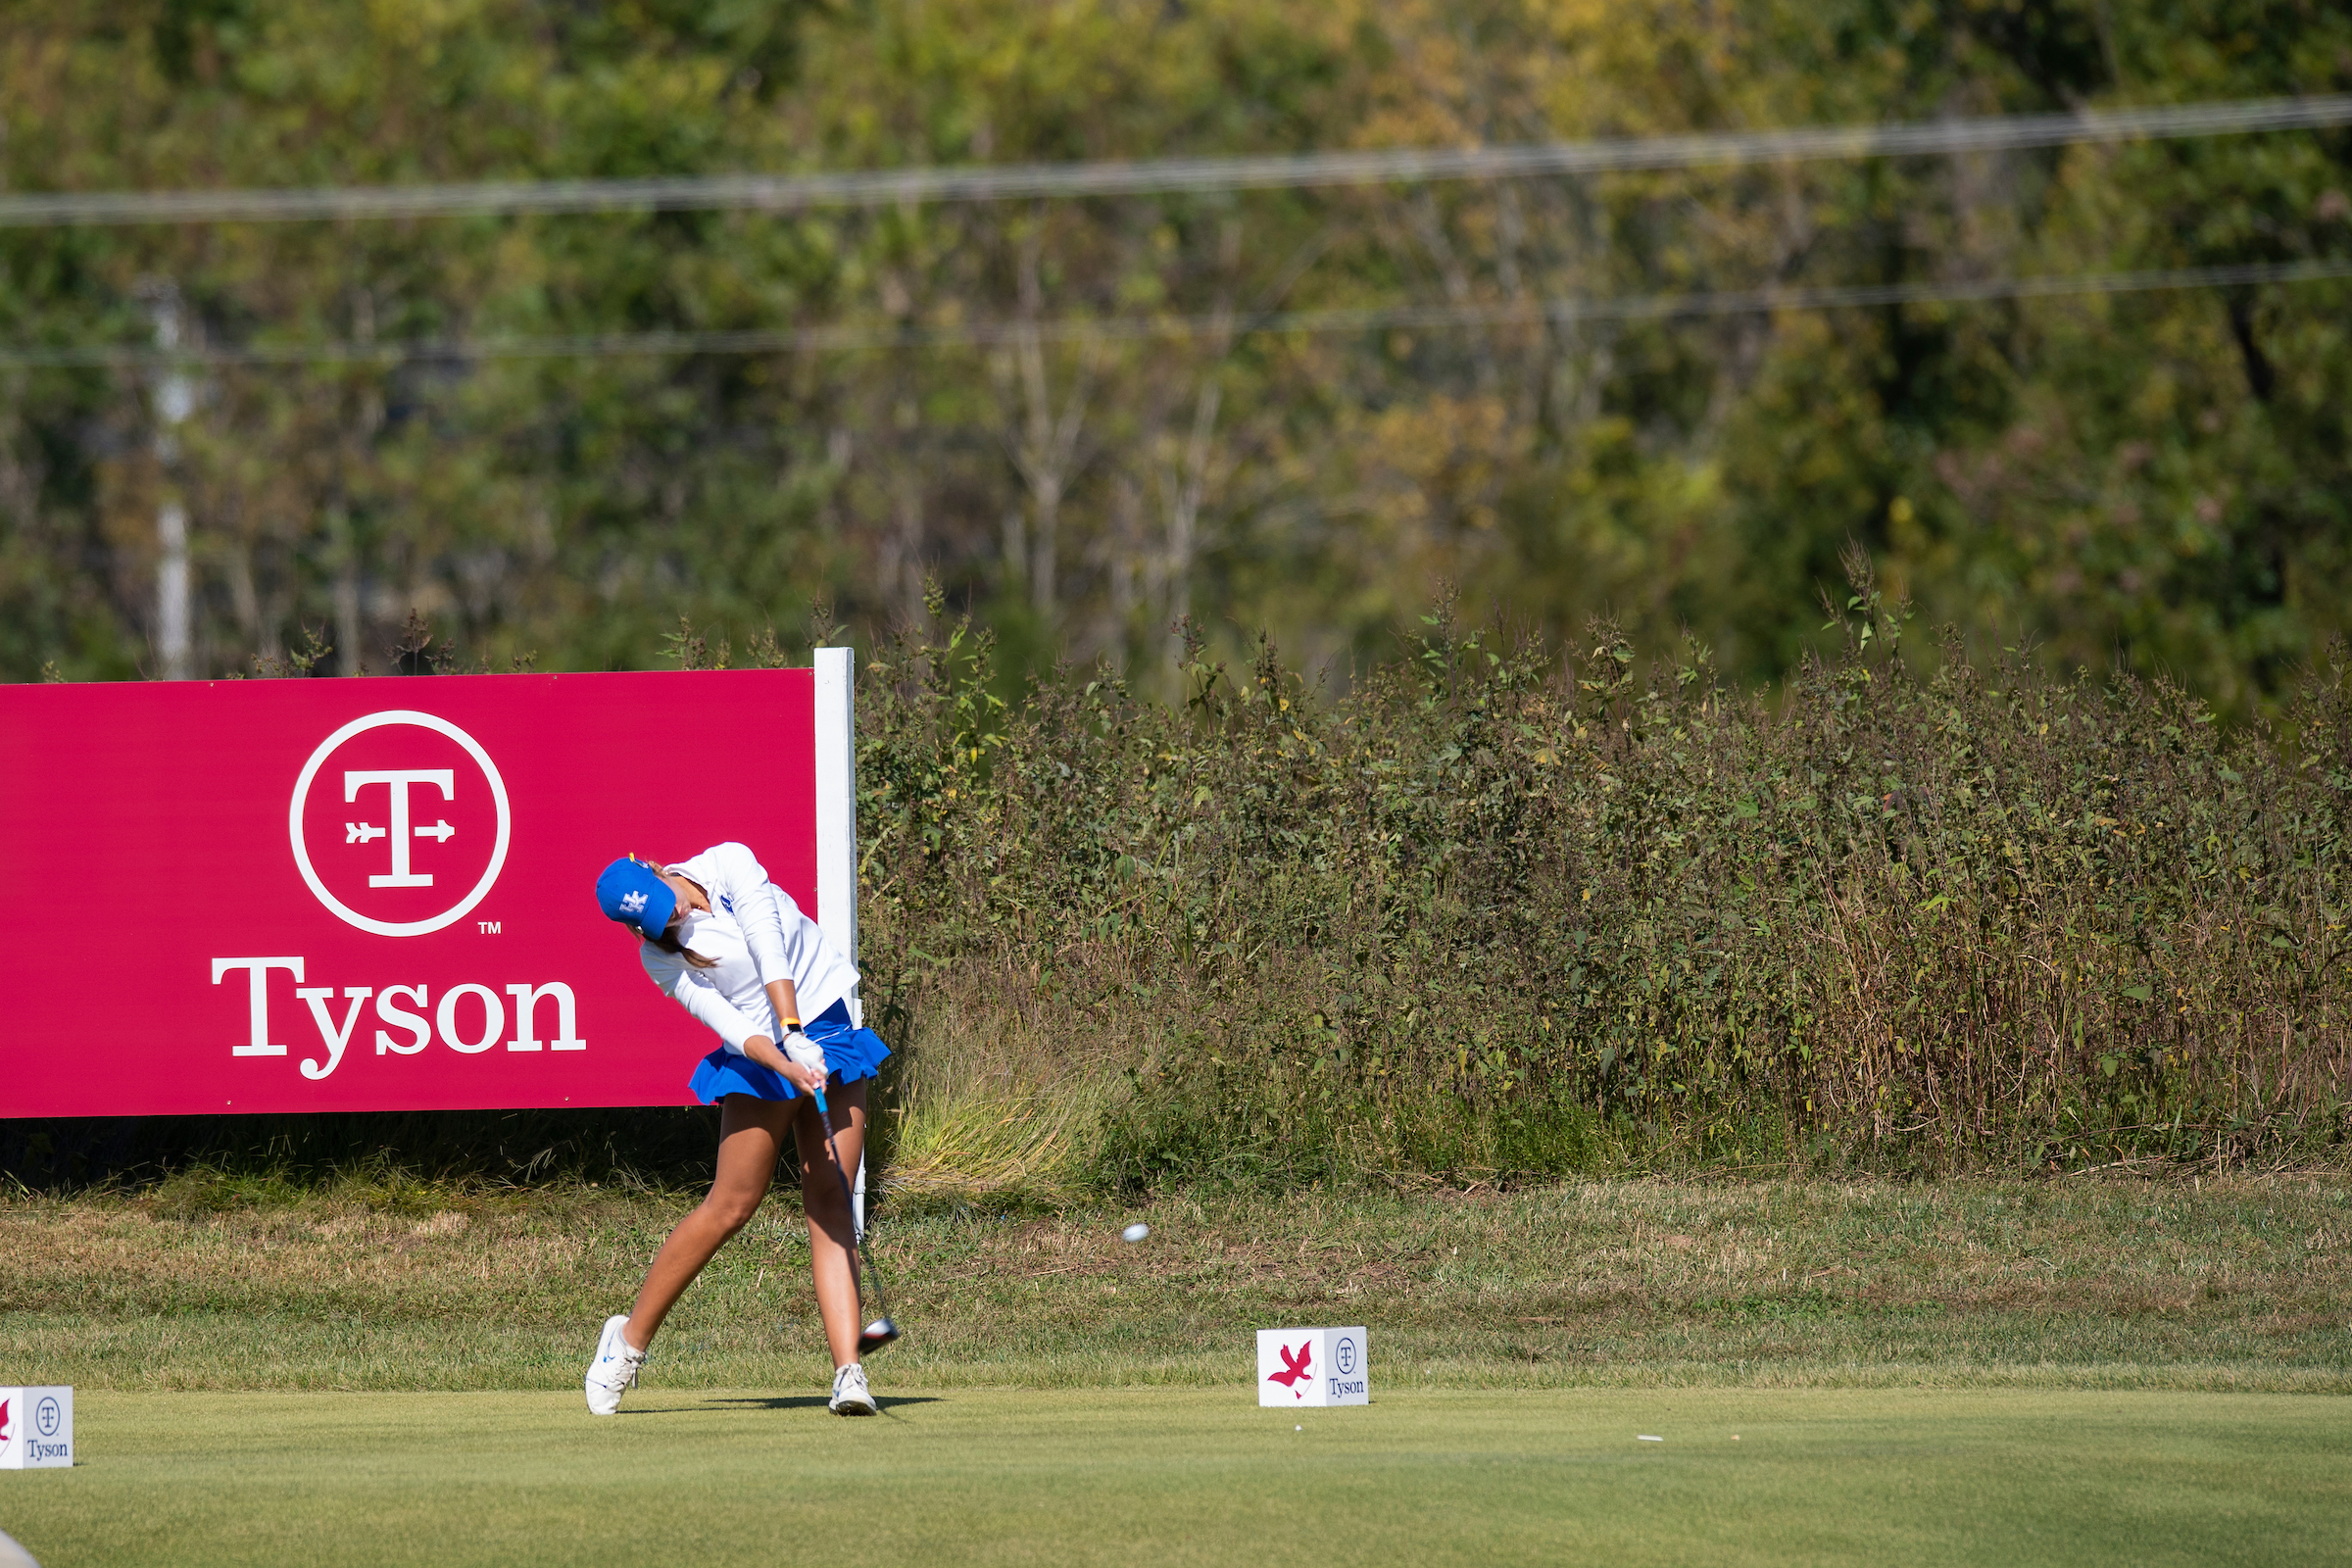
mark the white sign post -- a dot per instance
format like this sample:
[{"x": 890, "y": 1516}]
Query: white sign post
[
  {"x": 1302, "y": 1367},
  {"x": 836, "y": 677},
  {"x": 36, "y": 1428}
]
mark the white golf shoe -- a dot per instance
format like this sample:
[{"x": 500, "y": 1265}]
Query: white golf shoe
[
  {"x": 613, "y": 1370},
  {"x": 851, "y": 1396}
]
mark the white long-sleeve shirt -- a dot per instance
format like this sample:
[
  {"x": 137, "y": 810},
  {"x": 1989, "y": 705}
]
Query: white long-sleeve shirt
[{"x": 758, "y": 935}]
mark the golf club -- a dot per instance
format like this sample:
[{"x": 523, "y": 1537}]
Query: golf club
[{"x": 881, "y": 1330}]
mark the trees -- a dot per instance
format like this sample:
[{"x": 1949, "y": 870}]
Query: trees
[{"x": 1070, "y": 412}]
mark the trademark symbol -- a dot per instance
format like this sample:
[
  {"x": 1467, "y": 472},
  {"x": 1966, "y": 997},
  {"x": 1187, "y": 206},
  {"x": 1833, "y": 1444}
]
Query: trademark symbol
[{"x": 489, "y": 927}]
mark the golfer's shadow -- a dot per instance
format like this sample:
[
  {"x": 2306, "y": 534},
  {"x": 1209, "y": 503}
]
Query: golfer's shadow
[
  {"x": 802, "y": 1402},
  {"x": 779, "y": 1402}
]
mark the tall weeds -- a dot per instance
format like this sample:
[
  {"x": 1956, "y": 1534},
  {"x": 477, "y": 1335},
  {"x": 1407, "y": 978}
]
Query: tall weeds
[
  {"x": 1491, "y": 911},
  {"x": 1497, "y": 911}
]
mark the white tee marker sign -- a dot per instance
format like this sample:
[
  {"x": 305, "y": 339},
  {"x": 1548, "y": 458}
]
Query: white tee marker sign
[
  {"x": 1302, "y": 1367},
  {"x": 36, "y": 1428}
]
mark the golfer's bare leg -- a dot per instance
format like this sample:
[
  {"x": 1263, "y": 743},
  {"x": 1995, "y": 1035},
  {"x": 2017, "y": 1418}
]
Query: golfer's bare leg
[
  {"x": 832, "y": 1232},
  {"x": 750, "y": 1137}
]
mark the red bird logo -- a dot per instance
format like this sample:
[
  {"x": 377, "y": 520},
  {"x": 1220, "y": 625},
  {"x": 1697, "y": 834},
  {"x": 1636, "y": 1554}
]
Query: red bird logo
[
  {"x": 1293, "y": 1368},
  {"x": 2, "y": 1420}
]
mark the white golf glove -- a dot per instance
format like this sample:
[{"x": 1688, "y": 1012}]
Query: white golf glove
[{"x": 798, "y": 1048}]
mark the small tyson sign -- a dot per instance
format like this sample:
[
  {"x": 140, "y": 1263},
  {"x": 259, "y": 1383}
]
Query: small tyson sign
[
  {"x": 36, "y": 1428},
  {"x": 1302, "y": 1367}
]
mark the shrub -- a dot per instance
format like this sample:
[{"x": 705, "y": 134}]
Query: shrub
[{"x": 1493, "y": 911}]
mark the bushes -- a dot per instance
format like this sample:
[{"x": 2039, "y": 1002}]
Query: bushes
[{"x": 1489, "y": 911}]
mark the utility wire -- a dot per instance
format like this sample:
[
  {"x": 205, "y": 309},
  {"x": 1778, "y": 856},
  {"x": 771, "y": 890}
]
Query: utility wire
[
  {"x": 885, "y": 187},
  {"x": 1131, "y": 328}
]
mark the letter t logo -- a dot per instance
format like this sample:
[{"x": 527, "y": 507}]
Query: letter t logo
[{"x": 399, "y": 780}]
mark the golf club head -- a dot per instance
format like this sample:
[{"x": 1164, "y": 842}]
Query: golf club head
[{"x": 875, "y": 1335}]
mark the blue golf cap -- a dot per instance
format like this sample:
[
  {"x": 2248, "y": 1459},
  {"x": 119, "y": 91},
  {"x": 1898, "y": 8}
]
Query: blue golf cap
[{"x": 633, "y": 893}]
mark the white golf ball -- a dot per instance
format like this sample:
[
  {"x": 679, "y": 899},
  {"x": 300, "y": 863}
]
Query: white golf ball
[{"x": 1135, "y": 1233}]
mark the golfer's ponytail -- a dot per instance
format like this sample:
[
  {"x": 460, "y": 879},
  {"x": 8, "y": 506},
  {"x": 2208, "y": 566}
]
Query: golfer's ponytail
[{"x": 670, "y": 943}]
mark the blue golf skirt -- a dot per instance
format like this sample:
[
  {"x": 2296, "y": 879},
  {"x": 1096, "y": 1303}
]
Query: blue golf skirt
[{"x": 851, "y": 1054}]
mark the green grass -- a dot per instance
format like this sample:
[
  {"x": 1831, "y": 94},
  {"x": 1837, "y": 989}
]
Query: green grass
[
  {"x": 1180, "y": 1476},
  {"x": 2242, "y": 1283},
  {"x": 2072, "y": 1370}
]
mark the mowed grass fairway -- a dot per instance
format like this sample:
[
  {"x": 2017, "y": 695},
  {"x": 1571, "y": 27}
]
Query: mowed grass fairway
[{"x": 1178, "y": 1476}]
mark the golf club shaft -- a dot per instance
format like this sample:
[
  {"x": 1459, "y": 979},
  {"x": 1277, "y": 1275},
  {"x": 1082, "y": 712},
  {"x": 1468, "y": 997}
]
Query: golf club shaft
[{"x": 850, "y": 1204}]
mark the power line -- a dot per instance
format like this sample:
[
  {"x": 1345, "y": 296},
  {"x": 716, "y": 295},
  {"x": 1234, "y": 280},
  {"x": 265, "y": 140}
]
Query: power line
[
  {"x": 886, "y": 187},
  {"x": 853, "y": 339}
]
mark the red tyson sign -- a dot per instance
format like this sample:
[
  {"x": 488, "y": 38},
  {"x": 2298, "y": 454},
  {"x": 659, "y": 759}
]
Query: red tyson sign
[{"x": 376, "y": 895}]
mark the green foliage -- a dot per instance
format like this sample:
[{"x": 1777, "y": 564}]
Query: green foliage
[
  {"x": 1478, "y": 910},
  {"x": 1485, "y": 914},
  {"x": 1491, "y": 913},
  {"x": 2154, "y": 481}
]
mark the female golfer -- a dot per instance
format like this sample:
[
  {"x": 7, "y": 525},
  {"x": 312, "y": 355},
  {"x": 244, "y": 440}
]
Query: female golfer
[{"x": 737, "y": 951}]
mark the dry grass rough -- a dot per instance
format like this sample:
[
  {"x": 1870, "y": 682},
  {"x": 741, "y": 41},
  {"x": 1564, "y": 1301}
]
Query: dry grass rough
[{"x": 2237, "y": 1283}]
